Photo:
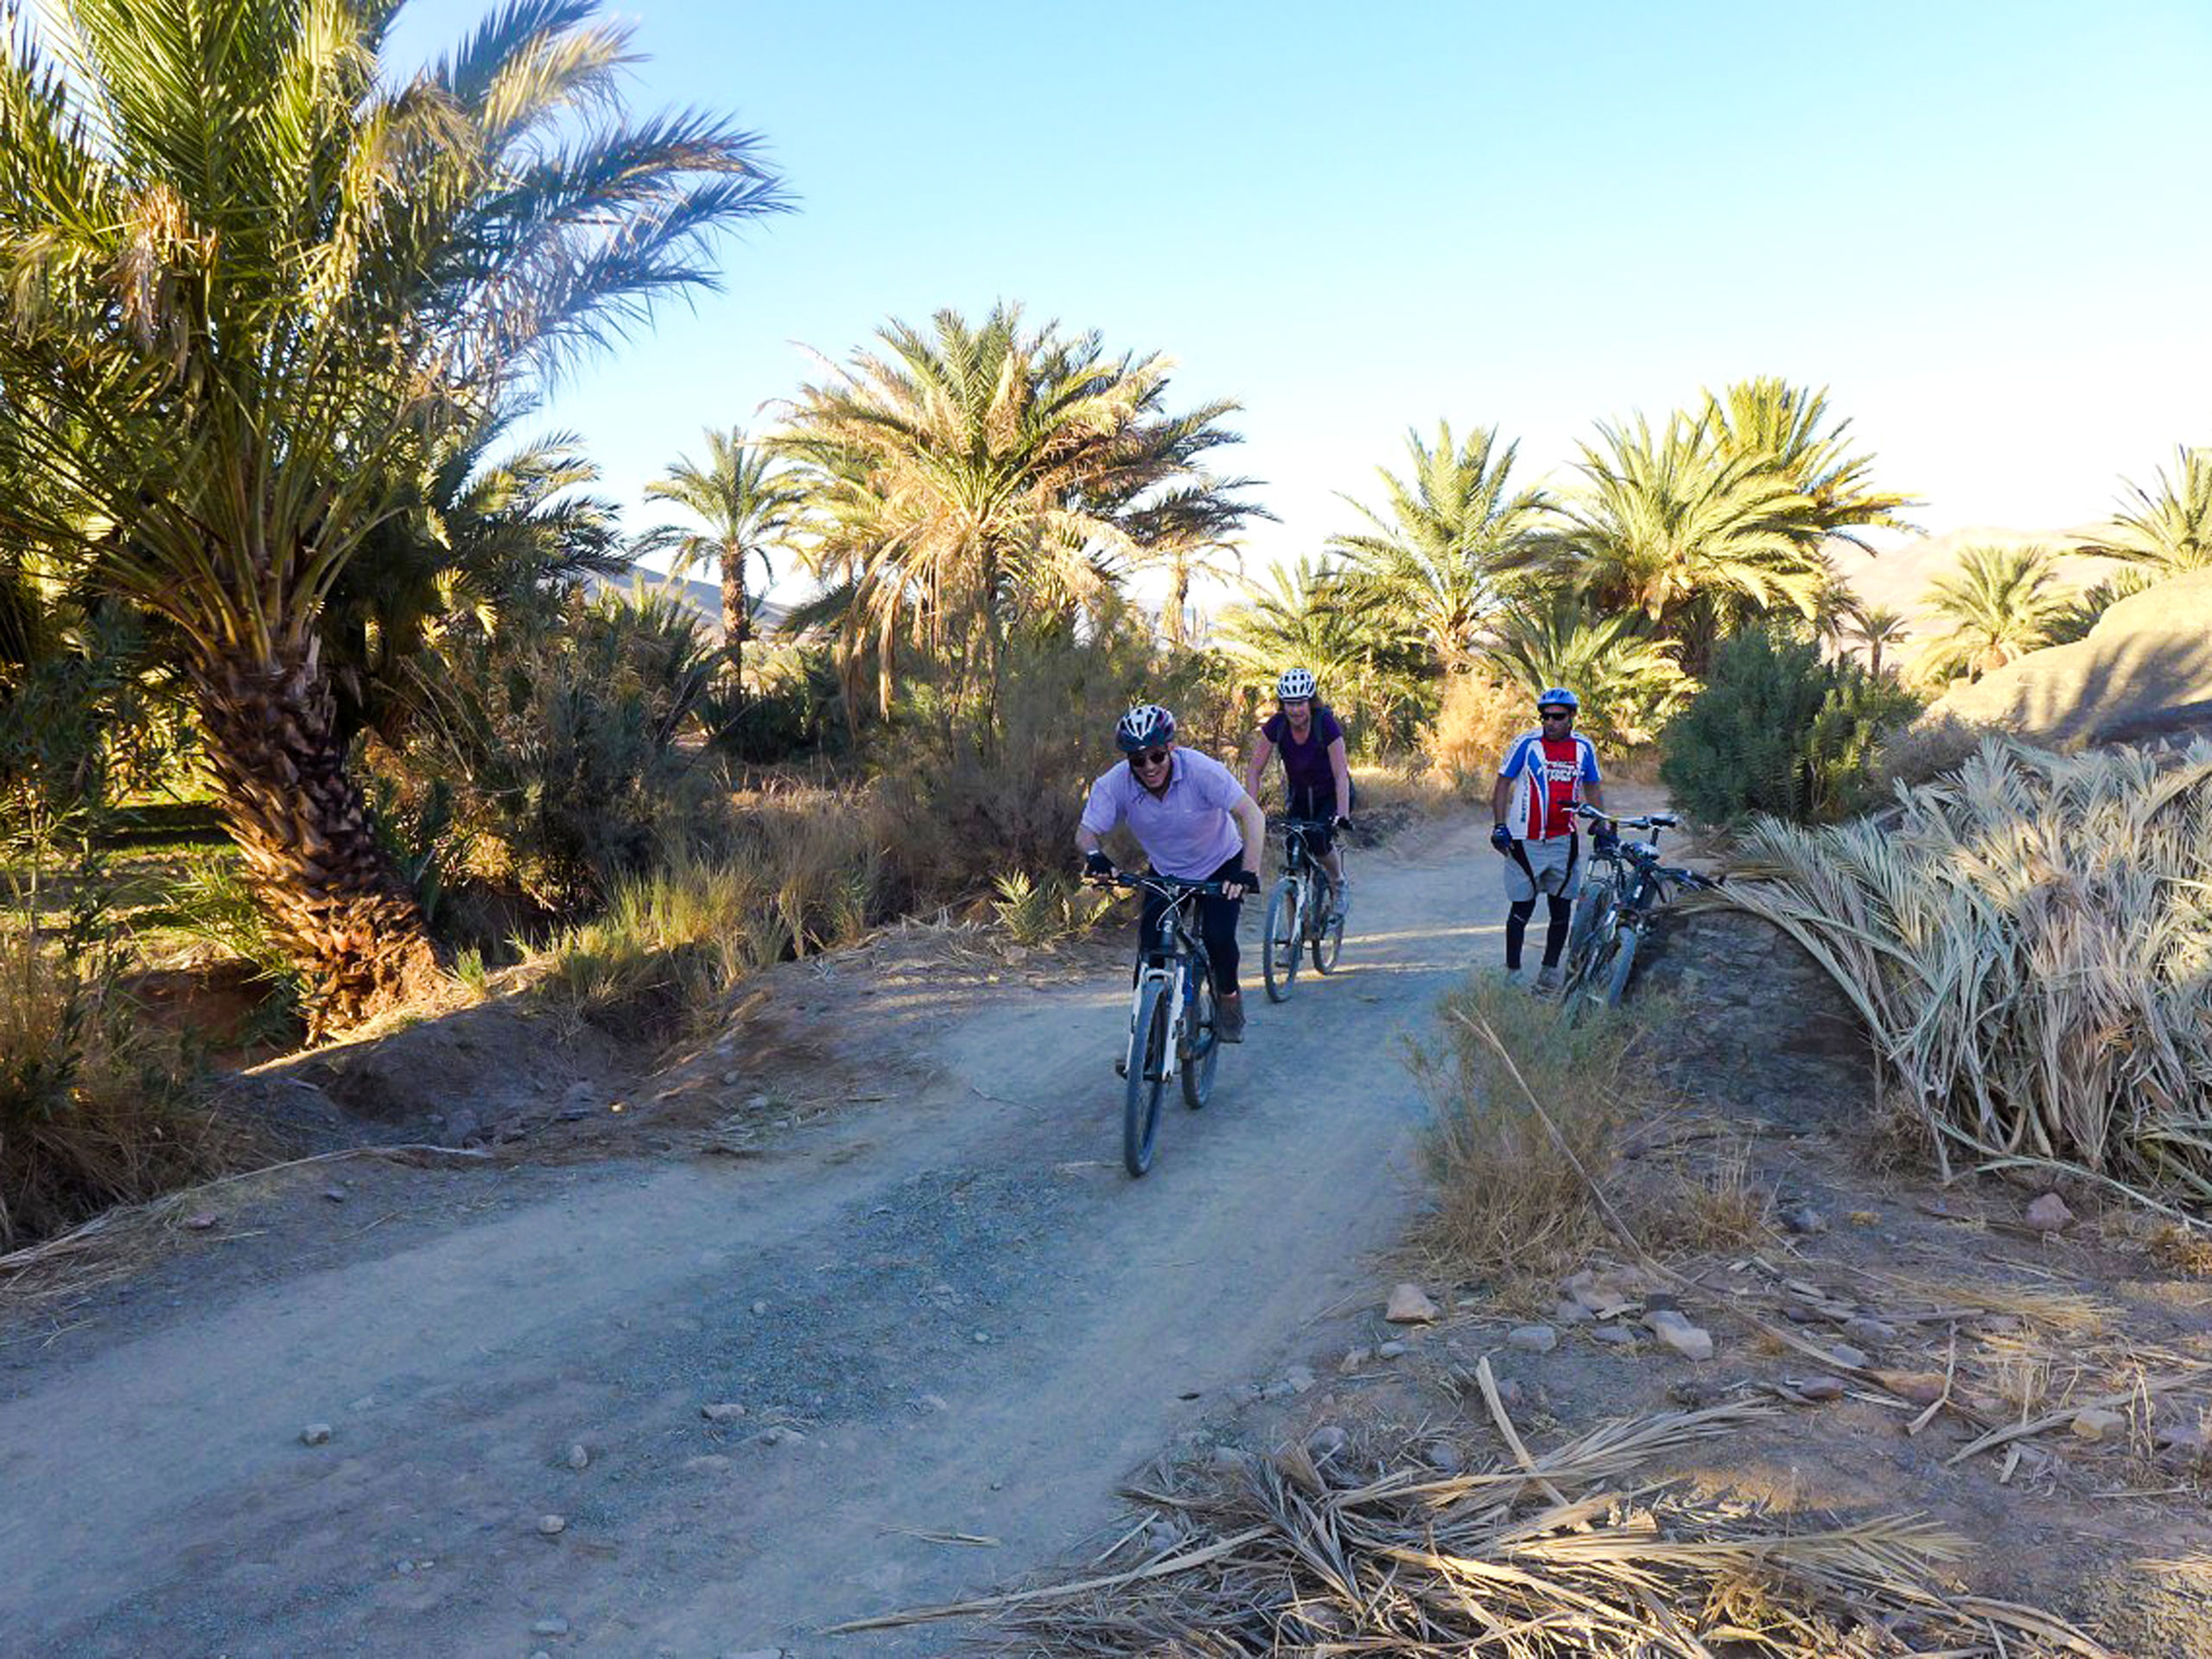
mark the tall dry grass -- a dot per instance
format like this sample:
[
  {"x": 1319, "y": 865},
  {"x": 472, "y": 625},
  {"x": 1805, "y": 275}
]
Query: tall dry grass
[
  {"x": 2032, "y": 950},
  {"x": 1477, "y": 723},
  {"x": 96, "y": 1108}
]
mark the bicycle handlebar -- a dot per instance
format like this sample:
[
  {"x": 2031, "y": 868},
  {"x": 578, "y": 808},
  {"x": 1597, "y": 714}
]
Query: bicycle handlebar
[
  {"x": 1654, "y": 821},
  {"x": 1170, "y": 886}
]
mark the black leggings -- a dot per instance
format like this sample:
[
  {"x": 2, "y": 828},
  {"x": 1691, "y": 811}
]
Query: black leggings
[
  {"x": 1217, "y": 926},
  {"x": 1516, "y": 928}
]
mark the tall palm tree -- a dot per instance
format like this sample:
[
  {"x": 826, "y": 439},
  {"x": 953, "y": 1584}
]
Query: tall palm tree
[
  {"x": 2167, "y": 530},
  {"x": 1190, "y": 532},
  {"x": 2000, "y": 603},
  {"x": 1304, "y": 615},
  {"x": 1452, "y": 542},
  {"x": 1696, "y": 540},
  {"x": 247, "y": 282},
  {"x": 1628, "y": 681},
  {"x": 748, "y": 502},
  {"x": 971, "y": 475},
  {"x": 1877, "y": 628},
  {"x": 1787, "y": 427}
]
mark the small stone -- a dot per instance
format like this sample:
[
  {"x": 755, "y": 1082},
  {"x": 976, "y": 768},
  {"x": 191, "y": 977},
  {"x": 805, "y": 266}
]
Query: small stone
[
  {"x": 540, "y": 1653},
  {"x": 1921, "y": 1387},
  {"x": 579, "y": 1456},
  {"x": 315, "y": 1434},
  {"x": 1229, "y": 1456},
  {"x": 2048, "y": 1214},
  {"x": 405, "y": 1569},
  {"x": 1802, "y": 1219},
  {"x": 335, "y": 1194},
  {"x": 780, "y": 1434},
  {"x": 2182, "y": 1443},
  {"x": 1353, "y": 1359},
  {"x": 200, "y": 1223},
  {"x": 756, "y": 1653},
  {"x": 1872, "y": 1333},
  {"x": 1297, "y": 1379},
  {"x": 1843, "y": 1354},
  {"x": 930, "y": 1403},
  {"x": 1533, "y": 1339},
  {"x": 1443, "y": 1457},
  {"x": 1510, "y": 1394},
  {"x": 1389, "y": 1349},
  {"x": 759, "y": 1307},
  {"x": 552, "y": 1526},
  {"x": 1570, "y": 1311},
  {"x": 1619, "y": 1335},
  {"x": 709, "y": 1462},
  {"x": 1410, "y": 1305},
  {"x": 2096, "y": 1423},
  {"x": 980, "y": 1338},
  {"x": 551, "y": 1625},
  {"x": 722, "y": 1411},
  {"x": 1690, "y": 1341},
  {"x": 1819, "y": 1388},
  {"x": 1327, "y": 1441},
  {"x": 729, "y": 1078}
]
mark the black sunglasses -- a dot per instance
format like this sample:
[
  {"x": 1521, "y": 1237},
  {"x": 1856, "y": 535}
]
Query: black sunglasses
[
  {"x": 1148, "y": 758},
  {"x": 1554, "y": 714}
]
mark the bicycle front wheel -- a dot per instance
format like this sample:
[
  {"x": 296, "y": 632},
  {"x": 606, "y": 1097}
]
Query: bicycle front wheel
[
  {"x": 1201, "y": 1044},
  {"x": 1280, "y": 949},
  {"x": 1623, "y": 964},
  {"x": 1149, "y": 1060}
]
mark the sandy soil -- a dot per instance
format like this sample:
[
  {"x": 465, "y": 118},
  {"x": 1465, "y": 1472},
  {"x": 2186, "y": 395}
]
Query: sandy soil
[{"x": 945, "y": 1312}]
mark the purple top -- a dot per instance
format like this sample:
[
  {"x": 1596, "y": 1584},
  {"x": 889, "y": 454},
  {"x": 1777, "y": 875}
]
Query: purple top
[
  {"x": 1190, "y": 831},
  {"x": 1306, "y": 765}
]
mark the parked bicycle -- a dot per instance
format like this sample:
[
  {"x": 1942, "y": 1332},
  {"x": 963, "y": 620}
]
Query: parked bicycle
[
  {"x": 1171, "y": 1017},
  {"x": 1300, "y": 917},
  {"x": 1627, "y": 887}
]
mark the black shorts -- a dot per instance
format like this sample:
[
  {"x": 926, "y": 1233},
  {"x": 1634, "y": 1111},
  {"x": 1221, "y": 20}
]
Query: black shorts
[{"x": 1318, "y": 805}]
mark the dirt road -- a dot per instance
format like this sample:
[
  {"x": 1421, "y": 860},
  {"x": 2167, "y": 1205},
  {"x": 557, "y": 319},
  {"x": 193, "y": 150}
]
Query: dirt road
[{"x": 949, "y": 1314}]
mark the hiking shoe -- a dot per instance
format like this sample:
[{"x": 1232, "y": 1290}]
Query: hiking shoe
[
  {"x": 1508, "y": 976},
  {"x": 1549, "y": 980},
  {"x": 1339, "y": 902},
  {"x": 1229, "y": 1019}
]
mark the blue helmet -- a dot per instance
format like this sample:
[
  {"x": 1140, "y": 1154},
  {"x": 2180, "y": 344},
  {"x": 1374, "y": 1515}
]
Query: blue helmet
[
  {"x": 1145, "y": 727},
  {"x": 1559, "y": 697}
]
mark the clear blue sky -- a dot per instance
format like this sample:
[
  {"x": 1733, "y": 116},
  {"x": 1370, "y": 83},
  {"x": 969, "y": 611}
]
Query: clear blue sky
[{"x": 1985, "y": 226}]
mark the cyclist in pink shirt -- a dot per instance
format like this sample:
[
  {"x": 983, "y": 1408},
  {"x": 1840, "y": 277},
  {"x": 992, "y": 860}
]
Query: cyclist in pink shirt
[{"x": 1195, "y": 822}]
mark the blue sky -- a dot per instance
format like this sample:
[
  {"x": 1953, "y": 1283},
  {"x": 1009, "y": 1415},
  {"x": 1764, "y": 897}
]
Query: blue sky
[{"x": 1984, "y": 227}]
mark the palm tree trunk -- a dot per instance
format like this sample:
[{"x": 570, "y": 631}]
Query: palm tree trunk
[
  {"x": 737, "y": 618},
  {"x": 303, "y": 828},
  {"x": 1180, "y": 596}
]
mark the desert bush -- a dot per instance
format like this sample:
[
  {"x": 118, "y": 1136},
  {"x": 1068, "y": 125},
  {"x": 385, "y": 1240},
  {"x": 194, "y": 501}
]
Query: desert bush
[
  {"x": 96, "y": 1109},
  {"x": 795, "y": 872},
  {"x": 1477, "y": 723},
  {"x": 1046, "y": 909},
  {"x": 2031, "y": 950},
  {"x": 1927, "y": 748},
  {"x": 555, "y": 758},
  {"x": 1778, "y": 730},
  {"x": 1512, "y": 1190}
]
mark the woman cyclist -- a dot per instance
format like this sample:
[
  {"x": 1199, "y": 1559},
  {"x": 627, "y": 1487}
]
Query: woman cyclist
[{"x": 1317, "y": 777}]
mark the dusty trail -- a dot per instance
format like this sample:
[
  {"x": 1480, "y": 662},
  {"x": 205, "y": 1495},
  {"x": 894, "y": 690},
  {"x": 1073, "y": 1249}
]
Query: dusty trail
[{"x": 977, "y": 1323}]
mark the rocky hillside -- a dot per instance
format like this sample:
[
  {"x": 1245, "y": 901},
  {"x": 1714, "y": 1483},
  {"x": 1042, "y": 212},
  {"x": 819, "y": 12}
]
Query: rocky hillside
[{"x": 2144, "y": 669}]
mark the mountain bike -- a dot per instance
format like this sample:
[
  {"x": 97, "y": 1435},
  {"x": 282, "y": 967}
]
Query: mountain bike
[
  {"x": 1171, "y": 1016},
  {"x": 1624, "y": 889},
  {"x": 1300, "y": 916}
]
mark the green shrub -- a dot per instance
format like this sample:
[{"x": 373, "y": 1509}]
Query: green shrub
[{"x": 1778, "y": 730}]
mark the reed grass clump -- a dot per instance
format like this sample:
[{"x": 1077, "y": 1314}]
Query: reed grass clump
[{"x": 2030, "y": 947}]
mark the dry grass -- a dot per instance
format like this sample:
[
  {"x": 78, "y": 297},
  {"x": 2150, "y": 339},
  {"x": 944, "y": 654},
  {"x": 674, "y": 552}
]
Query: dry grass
[
  {"x": 1715, "y": 1205},
  {"x": 1513, "y": 1183},
  {"x": 1569, "y": 1552},
  {"x": 2031, "y": 950},
  {"x": 95, "y": 1107},
  {"x": 1476, "y": 725}
]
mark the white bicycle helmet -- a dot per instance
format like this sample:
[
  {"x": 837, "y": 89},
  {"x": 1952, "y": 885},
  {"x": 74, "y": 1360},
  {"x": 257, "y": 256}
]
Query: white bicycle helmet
[
  {"x": 1145, "y": 727},
  {"x": 1294, "y": 683}
]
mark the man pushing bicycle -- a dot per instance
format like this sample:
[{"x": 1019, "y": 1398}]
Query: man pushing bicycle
[
  {"x": 1544, "y": 777},
  {"x": 1195, "y": 822}
]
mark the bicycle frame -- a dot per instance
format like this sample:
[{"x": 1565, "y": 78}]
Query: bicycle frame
[{"x": 1174, "y": 958}]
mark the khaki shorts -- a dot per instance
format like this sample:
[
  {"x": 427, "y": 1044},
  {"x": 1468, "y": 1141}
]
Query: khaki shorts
[{"x": 1553, "y": 867}]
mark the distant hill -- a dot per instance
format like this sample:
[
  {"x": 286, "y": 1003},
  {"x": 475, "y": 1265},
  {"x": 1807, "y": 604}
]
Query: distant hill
[
  {"x": 704, "y": 597},
  {"x": 1897, "y": 578}
]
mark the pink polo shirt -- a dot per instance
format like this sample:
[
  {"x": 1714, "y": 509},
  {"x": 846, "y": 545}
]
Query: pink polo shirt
[{"x": 1190, "y": 831}]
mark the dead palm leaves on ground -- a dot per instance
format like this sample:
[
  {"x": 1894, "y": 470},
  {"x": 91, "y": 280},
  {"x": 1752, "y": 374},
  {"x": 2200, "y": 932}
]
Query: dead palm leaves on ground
[
  {"x": 2032, "y": 950},
  {"x": 1572, "y": 1553}
]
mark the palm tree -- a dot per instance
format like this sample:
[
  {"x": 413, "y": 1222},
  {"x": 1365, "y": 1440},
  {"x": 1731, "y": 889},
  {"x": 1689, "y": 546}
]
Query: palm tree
[
  {"x": 1787, "y": 427},
  {"x": 2170, "y": 530},
  {"x": 247, "y": 283},
  {"x": 1306, "y": 615},
  {"x": 1876, "y": 627},
  {"x": 973, "y": 475},
  {"x": 1191, "y": 532},
  {"x": 1629, "y": 682},
  {"x": 1452, "y": 542},
  {"x": 1696, "y": 540},
  {"x": 748, "y": 502},
  {"x": 2002, "y": 603}
]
